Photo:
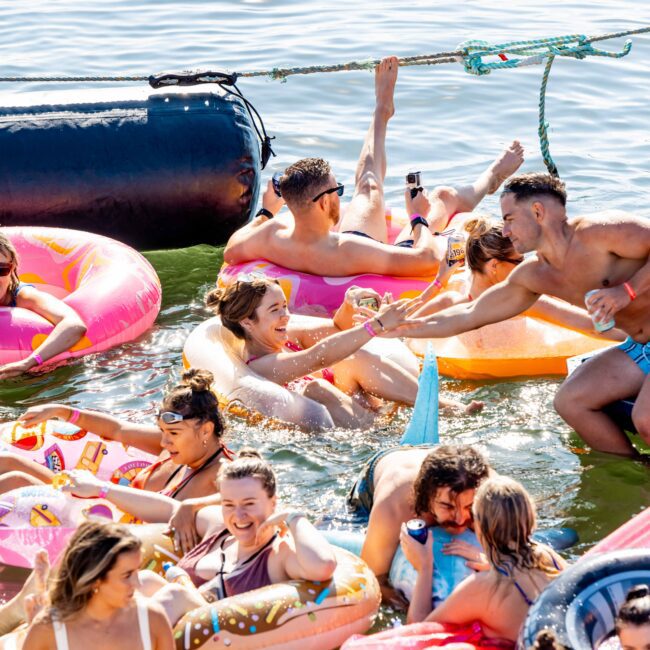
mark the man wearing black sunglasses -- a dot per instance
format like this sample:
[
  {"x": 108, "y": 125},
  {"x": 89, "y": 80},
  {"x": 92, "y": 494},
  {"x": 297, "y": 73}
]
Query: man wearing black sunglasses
[{"x": 304, "y": 240}]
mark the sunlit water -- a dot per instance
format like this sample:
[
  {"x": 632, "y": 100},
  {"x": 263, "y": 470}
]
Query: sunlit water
[{"x": 448, "y": 124}]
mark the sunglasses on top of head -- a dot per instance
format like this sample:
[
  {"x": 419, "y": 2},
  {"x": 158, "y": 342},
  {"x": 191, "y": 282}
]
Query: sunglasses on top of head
[
  {"x": 338, "y": 189},
  {"x": 171, "y": 417},
  {"x": 5, "y": 269}
]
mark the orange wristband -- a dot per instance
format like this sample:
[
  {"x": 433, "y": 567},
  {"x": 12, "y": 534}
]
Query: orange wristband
[{"x": 630, "y": 291}]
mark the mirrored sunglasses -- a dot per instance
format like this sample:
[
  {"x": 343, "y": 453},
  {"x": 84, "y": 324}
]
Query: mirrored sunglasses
[{"x": 170, "y": 417}]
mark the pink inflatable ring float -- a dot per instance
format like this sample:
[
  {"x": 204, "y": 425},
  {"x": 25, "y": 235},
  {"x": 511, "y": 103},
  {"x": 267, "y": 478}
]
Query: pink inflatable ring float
[{"x": 111, "y": 286}]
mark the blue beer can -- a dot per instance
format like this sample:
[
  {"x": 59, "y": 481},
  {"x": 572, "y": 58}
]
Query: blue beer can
[{"x": 417, "y": 529}]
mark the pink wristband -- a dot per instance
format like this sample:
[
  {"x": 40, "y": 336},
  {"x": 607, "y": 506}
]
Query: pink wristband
[
  {"x": 38, "y": 358},
  {"x": 104, "y": 491},
  {"x": 369, "y": 329},
  {"x": 74, "y": 417},
  {"x": 437, "y": 283}
]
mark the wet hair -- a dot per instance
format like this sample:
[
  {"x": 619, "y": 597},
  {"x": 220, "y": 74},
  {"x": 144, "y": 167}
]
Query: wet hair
[
  {"x": 546, "y": 639},
  {"x": 459, "y": 468},
  {"x": 7, "y": 249},
  {"x": 635, "y": 610},
  {"x": 194, "y": 398},
  {"x": 238, "y": 301},
  {"x": 90, "y": 554},
  {"x": 250, "y": 464},
  {"x": 485, "y": 242},
  {"x": 526, "y": 186},
  {"x": 505, "y": 515},
  {"x": 304, "y": 179}
]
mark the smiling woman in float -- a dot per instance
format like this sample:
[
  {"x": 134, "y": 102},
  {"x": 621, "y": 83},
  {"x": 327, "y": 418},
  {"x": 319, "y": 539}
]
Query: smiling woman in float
[
  {"x": 68, "y": 326},
  {"x": 519, "y": 568},
  {"x": 247, "y": 543},
  {"x": 321, "y": 360},
  {"x": 190, "y": 431},
  {"x": 92, "y": 602}
]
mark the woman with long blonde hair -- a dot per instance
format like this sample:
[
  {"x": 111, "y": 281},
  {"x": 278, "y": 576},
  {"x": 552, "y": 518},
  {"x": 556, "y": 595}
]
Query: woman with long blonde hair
[
  {"x": 497, "y": 600},
  {"x": 92, "y": 601}
]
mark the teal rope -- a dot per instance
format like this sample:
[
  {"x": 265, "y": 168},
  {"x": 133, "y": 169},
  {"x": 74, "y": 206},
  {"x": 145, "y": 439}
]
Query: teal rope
[{"x": 543, "y": 124}]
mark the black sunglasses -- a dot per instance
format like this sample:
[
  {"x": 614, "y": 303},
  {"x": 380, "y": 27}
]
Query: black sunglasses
[
  {"x": 5, "y": 269},
  {"x": 338, "y": 189}
]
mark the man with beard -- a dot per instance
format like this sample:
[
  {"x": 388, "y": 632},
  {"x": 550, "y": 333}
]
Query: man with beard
[
  {"x": 304, "y": 241},
  {"x": 433, "y": 484}
]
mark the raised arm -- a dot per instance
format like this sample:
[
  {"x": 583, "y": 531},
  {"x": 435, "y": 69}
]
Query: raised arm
[
  {"x": 142, "y": 436},
  {"x": 500, "y": 302},
  {"x": 312, "y": 558},
  {"x": 284, "y": 367},
  {"x": 68, "y": 329}
]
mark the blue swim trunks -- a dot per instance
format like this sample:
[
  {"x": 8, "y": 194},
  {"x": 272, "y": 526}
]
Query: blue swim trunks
[{"x": 638, "y": 352}]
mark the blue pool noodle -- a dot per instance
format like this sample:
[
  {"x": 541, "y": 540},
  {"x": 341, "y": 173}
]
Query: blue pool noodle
[{"x": 423, "y": 427}]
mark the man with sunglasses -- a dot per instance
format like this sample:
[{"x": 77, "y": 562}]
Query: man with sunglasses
[
  {"x": 304, "y": 240},
  {"x": 606, "y": 256}
]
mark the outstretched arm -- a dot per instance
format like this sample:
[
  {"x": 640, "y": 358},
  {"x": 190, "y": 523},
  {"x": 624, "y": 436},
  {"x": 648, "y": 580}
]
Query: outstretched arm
[
  {"x": 562, "y": 313},
  {"x": 503, "y": 301},
  {"x": 284, "y": 367},
  {"x": 68, "y": 329},
  {"x": 142, "y": 436},
  {"x": 147, "y": 506}
]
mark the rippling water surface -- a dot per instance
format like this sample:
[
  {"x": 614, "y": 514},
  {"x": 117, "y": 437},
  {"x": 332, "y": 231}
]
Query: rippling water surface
[{"x": 448, "y": 124}]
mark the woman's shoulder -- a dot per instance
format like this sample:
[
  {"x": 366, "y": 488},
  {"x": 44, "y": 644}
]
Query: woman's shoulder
[{"x": 40, "y": 634}]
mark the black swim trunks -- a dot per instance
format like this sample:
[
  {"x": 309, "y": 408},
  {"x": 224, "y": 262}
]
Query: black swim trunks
[{"x": 406, "y": 243}]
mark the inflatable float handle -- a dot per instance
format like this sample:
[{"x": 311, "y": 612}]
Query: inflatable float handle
[
  {"x": 423, "y": 427},
  {"x": 192, "y": 78}
]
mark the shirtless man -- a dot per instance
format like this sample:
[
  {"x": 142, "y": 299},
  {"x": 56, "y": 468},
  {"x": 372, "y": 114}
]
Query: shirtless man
[
  {"x": 435, "y": 484},
  {"x": 303, "y": 240},
  {"x": 608, "y": 252}
]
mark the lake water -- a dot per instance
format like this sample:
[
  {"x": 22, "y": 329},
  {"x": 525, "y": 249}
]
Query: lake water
[{"x": 448, "y": 124}]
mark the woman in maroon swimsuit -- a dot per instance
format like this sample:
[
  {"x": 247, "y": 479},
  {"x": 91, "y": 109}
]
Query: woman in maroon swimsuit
[{"x": 247, "y": 543}]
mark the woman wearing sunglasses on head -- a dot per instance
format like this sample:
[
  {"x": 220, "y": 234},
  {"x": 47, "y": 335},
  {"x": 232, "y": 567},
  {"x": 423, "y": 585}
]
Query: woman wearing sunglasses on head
[
  {"x": 68, "y": 326},
  {"x": 491, "y": 258},
  {"x": 190, "y": 431}
]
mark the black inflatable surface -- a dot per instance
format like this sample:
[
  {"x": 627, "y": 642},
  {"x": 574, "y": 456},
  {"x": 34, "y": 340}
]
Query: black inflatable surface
[
  {"x": 152, "y": 169},
  {"x": 581, "y": 604}
]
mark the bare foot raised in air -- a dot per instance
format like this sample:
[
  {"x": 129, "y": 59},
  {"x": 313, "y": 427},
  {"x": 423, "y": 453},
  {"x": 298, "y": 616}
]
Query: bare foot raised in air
[
  {"x": 36, "y": 583},
  {"x": 385, "y": 79},
  {"x": 505, "y": 165}
]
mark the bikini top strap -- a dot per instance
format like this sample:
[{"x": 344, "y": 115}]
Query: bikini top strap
[
  {"x": 143, "y": 622},
  {"x": 221, "y": 587},
  {"x": 505, "y": 573},
  {"x": 60, "y": 634},
  {"x": 191, "y": 475}
]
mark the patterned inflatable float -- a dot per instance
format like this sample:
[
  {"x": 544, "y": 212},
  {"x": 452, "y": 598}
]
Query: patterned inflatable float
[
  {"x": 213, "y": 347},
  {"x": 520, "y": 346},
  {"x": 112, "y": 287}
]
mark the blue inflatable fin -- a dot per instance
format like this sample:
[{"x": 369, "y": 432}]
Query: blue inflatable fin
[{"x": 423, "y": 427}]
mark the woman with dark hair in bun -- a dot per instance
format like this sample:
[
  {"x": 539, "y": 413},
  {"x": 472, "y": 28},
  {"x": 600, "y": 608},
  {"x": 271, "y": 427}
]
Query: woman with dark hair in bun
[
  {"x": 189, "y": 429},
  {"x": 491, "y": 258},
  {"x": 633, "y": 620}
]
